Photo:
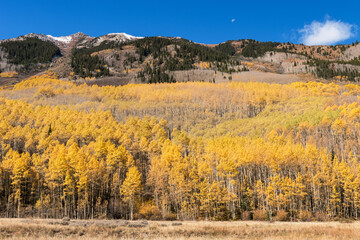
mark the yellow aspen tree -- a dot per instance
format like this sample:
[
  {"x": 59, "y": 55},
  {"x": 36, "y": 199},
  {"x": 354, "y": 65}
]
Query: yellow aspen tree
[
  {"x": 131, "y": 187},
  {"x": 115, "y": 191},
  {"x": 158, "y": 179},
  {"x": 18, "y": 165}
]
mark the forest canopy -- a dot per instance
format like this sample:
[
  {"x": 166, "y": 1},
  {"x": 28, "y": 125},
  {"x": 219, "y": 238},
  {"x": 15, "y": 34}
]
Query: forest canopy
[
  {"x": 185, "y": 151},
  {"x": 30, "y": 51}
]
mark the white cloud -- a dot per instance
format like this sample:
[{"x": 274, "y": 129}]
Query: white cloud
[
  {"x": 326, "y": 33},
  {"x": 233, "y": 20}
]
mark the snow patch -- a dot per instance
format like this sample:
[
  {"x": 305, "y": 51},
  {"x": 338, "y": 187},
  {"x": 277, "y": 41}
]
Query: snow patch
[
  {"x": 114, "y": 37},
  {"x": 64, "y": 39},
  {"x": 125, "y": 35}
]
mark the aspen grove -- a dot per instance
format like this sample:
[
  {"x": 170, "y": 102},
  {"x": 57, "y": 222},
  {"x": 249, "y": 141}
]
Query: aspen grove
[{"x": 180, "y": 150}]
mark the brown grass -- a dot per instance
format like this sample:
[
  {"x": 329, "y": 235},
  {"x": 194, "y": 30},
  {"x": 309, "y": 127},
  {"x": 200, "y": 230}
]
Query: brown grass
[
  {"x": 112, "y": 229},
  {"x": 207, "y": 75}
]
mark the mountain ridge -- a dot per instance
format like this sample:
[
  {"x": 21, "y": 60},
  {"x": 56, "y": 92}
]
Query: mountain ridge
[
  {"x": 76, "y": 39},
  {"x": 160, "y": 59}
]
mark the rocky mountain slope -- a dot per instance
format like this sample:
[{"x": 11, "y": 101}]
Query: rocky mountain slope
[
  {"x": 330, "y": 62},
  {"x": 66, "y": 43},
  {"x": 31, "y": 46},
  {"x": 119, "y": 56}
]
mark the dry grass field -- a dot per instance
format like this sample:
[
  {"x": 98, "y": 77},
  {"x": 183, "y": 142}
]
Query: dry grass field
[
  {"x": 119, "y": 229},
  {"x": 250, "y": 76}
]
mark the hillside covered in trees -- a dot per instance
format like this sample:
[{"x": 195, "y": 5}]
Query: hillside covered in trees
[
  {"x": 151, "y": 58},
  {"x": 127, "y": 59},
  {"x": 185, "y": 151},
  {"x": 30, "y": 51}
]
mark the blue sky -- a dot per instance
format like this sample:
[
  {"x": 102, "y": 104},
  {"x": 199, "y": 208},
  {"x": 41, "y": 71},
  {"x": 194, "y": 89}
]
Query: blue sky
[{"x": 199, "y": 21}]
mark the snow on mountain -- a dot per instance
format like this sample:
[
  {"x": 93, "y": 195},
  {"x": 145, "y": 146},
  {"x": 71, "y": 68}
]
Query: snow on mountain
[
  {"x": 114, "y": 37},
  {"x": 125, "y": 35},
  {"x": 77, "y": 40},
  {"x": 64, "y": 39},
  {"x": 30, "y": 35}
]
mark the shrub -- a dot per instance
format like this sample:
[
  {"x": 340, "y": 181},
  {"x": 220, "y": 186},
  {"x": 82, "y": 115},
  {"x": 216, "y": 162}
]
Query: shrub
[
  {"x": 45, "y": 92},
  {"x": 168, "y": 216},
  {"x": 222, "y": 216},
  {"x": 245, "y": 216},
  {"x": 282, "y": 215},
  {"x": 260, "y": 215},
  {"x": 149, "y": 211},
  {"x": 321, "y": 216},
  {"x": 155, "y": 217},
  {"x": 137, "y": 216},
  {"x": 305, "y": 216},
  {"x": 8, "y": 74}
]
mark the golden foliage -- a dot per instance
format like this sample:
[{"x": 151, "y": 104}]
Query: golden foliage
[
  {"x": 9, "y": 74},
  {"x": 184, "y": 150}
]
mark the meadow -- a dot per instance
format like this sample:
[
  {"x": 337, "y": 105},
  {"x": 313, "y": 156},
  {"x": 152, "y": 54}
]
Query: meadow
[{"x": 111, "y": 229}]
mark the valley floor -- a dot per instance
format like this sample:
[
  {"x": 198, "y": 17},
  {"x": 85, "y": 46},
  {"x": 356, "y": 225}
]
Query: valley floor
[
  {"x": 119, "y": 229},
  {"x": 249, "y": 76}
]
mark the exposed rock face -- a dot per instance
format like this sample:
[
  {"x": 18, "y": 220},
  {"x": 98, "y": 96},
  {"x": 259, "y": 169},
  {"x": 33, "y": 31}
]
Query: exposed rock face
[
  {"x": 280, "y": 57},
  {"x": 351, "y": 53},
  {"x": 288, "y": 62}
]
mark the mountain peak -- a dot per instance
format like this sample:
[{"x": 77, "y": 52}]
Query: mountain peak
[
  {"x": 125, "y": 35},
  {"x": 114, "y": 37},
  {"x": 63, "y": 39},
  {"x": 69, "y": 38},
  {"x": 79, "y": 34}
]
